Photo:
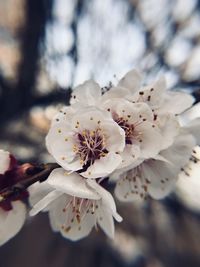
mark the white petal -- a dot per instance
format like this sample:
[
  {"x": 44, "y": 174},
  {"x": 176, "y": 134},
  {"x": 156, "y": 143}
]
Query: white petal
[
  {"x": 115, "y": 136},
  {"x": 177, "y": 102},
  {"x": 115, "y": 176},
  {"x": 139, "y": 111},
  {"x": 44, "y": 202},
  {"x": 72, "y": 184},
  {"x": 132, "y": 80},
  {"x": 162, "y": 177},
  {"x": 151, "y": 140},
  {"x": 64, "y": 115},
  {"x": 130, "y": 187},
  {"x": 133, "y": 112},
  {"x": 105, "y": 220},
  {"x": 114, "y": 92},
  {"x": 60, "y": 143},
  {"x": 37, "y": 191},
  {"x": 190, "y": 114},
  {"x": 188, "y": 186},
  {"x": 4, "y": 161},
  {"x": 73, "y": 230},
  {"x": 107, "y": 199},
  {"x": 87, "y": 93},
  {"x": 130, "y": 155},
  {"x": 103, "y": 166},
  {"x": 11, "y": 221},
  {"x": 169, "y": 127},
  {"x": 179, "y": 153},
  {"x": 151, "y": 94},
  {"x": 89, "y": 118},
  {"x": 193, "y": 127}
]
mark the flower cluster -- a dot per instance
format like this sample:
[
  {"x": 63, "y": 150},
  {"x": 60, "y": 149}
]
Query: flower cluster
[
  {"x": 138, "y": 137},
  {"x": 12, "y": 210}
]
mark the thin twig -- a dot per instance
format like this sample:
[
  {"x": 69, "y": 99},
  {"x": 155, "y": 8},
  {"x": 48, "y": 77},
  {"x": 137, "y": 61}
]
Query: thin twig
[{"x": 32, "y": 175}]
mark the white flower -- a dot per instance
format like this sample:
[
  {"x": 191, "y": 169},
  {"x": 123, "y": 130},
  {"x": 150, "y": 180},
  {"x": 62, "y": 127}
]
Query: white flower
[
  {"x": 156, "y": 177},
  {"x": 76, "y": 205},
  {"x": 12, "y": 212},
  {"x": 11, "y": 221},
  {"x": 143, "y": 138},
  {"x": 89, "y": 142},
  {"x": 155, "y": 94}
]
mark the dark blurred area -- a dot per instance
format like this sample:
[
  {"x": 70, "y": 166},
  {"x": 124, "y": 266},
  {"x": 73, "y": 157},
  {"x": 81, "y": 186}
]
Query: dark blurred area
[{"x": 49, "y": 46}]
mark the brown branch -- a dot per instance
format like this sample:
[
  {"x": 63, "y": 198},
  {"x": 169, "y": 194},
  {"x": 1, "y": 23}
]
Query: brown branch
[{"x": 32, "y": 175}]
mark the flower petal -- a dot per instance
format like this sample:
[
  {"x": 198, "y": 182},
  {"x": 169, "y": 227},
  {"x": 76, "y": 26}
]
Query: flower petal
[
  {"x": 132, "y": 81},
  {"x": 107, "y": 199},
  {"x": 169, "y": 127},
  {"x": 130, "y": 187},
  {"x": 72, "y": 184},
  {"x": 60, "y": 143},
  {"x": 150, "y": 140},
  {"x": 105, "y": 221},
  {"x": 61, "y": 221},
  {"x": 11, "y": 221},
  {"x": 89, "y": 118},
  {"x": 64, "y": 115},
  {"x": 115, "y": 136},
  {"x": 163, "y": 175},
  {"x": 193, "y": 128},
  {"x": 130, "y": 155},
  {"x": 38, "y": 191},
  {"x": 87, "y": 93},
  {"x": 4, "y": 161},
  {"x": 44, "y": 202},
  {"x": 177, "y": 102},
  {"x": 114, "y": 92},
  {"x": 190, "y": 114},
  {"x": 151, "y": 94},
  {"x": 103, "y": 166}
]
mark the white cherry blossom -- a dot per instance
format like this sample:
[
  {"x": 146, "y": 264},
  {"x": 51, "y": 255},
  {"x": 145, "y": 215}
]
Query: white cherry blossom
[
  {"x": 156, "y": 177},
  {"x": 90, "y": 142},
  {"x": 155, "y": 95},
  {"x": 76, "y": 205},
  {"x": 143, "y": 138}
]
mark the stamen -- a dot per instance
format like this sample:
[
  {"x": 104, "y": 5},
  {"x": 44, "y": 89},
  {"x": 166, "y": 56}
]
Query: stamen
[{"x": 91, "y": 146}]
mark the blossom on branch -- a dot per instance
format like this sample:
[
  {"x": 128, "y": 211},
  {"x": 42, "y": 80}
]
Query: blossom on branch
[
  {"x": 75, "y": 204},
  {"x": 89, "y": 142},
  {"x": 139, "y": 137},
  {"x": 156, "y": 177}
]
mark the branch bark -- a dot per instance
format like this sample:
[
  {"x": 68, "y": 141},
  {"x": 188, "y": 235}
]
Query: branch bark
[{"x": 32, "y": 175}]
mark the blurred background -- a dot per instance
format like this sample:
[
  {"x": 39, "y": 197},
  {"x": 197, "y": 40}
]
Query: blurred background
[{"x": 49, "y": 46}]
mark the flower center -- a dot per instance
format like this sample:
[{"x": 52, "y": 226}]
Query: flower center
[{"x": 91, "y": 146}]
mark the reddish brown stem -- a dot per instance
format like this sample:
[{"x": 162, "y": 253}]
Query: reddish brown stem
[{"x": 32, "y": 175}]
